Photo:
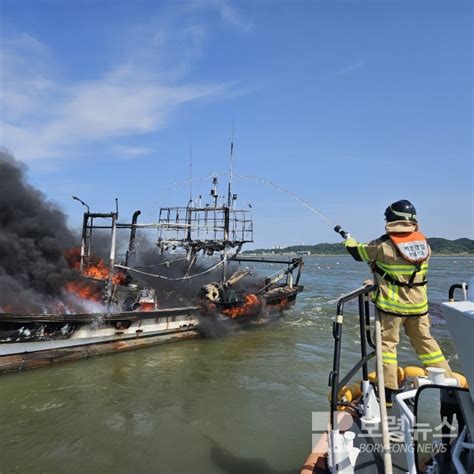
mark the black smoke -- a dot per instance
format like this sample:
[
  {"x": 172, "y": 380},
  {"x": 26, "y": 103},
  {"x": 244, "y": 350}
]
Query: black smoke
[
  {"x": 33, "y": 238},
  {"x": 174, "y": 290}
]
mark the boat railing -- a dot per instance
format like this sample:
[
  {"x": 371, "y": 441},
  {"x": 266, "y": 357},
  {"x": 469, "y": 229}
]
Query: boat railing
[
  {"x": 457, "y": 286},
  {"x": 336, "y": 382}
]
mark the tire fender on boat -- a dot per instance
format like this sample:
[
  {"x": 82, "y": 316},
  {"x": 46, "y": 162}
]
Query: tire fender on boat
[
  {"x": 348, "y": 393},
  {"x": 401, "y": 375},
  {"x": 462, "y": 381}
]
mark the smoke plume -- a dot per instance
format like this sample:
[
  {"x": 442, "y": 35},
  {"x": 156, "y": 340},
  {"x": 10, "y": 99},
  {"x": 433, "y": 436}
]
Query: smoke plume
[
  {"x": 33, "y": 237},
  {"x": 39, "y": 258}
]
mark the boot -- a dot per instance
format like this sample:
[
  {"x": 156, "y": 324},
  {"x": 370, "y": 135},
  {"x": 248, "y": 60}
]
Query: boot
[{"x": 389, "y": 394}]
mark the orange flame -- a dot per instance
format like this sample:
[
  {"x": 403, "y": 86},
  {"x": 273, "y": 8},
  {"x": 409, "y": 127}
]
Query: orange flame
[
  {"x": 147, "y": 307},
  {"x": 279, "y": 305},
  {"x": 250, "y": 308},
  {"x": 96, "y": 270},
  {"x": 84, "y": 290},
  {"x": 119, "y": 278}
]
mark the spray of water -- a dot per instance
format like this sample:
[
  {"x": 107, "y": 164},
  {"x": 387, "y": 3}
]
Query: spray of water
[
  {"x": 266, "y": 182},
  {"x": 163, "y": 195},
  {"x": 250, "y": 179}
]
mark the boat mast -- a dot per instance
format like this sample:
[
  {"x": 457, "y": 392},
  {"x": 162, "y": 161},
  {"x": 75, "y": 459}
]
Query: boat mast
[
  {"x": 113, "y": 243},
  {"x": 228, "y": 207},
  {"x": 231, "y": 159}
]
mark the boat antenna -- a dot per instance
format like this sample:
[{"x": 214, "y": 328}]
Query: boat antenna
[
  {"x": 190, "y": 167},
  {"x": 231, "y": 159},
  {"x": 228, "y": 207}
]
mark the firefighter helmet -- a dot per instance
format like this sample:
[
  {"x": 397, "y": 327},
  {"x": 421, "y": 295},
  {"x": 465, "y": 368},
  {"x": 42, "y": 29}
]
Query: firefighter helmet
[{"x": 401, "y": 211}]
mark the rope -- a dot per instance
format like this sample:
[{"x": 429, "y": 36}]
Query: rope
[
  {"x": 167, "y": 263},
  {"x": 123, "y": 267}
]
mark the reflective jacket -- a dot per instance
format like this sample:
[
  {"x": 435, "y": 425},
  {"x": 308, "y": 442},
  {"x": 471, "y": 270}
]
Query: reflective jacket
[{"x": 402, "y": 289}]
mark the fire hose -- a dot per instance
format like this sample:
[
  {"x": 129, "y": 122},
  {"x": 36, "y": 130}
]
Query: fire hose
[{"x": 387, "y": 457}]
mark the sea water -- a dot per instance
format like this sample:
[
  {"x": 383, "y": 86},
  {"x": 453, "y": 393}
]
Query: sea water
[{"x": 240, "y": 403}]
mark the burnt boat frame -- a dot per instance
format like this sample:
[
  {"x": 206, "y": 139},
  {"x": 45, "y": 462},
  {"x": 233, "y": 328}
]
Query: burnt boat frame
[
  {"x": 276, "y": 300},
  {"x": 40, "y": 340}
]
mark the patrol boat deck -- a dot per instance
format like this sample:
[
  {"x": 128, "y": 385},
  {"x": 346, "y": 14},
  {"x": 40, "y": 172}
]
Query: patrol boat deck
[{"x": 353, "y": 440}]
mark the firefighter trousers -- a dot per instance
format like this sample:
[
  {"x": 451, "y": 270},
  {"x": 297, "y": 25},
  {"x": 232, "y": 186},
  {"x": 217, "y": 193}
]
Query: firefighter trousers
[{"x": 417, "y": 328}]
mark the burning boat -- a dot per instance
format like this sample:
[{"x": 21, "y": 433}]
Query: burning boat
[{"x": 195, "y": 280}]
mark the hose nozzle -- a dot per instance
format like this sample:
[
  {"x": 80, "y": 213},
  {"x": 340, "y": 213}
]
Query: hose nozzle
[{"x": 341, "y": 232}]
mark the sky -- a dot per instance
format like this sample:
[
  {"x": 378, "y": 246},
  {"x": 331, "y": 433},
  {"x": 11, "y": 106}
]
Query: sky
[{"x": 349, "y": 105}]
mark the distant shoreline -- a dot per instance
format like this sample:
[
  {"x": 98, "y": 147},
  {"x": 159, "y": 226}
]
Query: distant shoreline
[
  {"x": 289, "y": 254},
  {"x": 440, "y": 247}
]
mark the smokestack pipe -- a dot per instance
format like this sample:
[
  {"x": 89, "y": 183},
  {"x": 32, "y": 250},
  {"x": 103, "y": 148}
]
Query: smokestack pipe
[
  {"x": 113, "y": 242},
  {"x": 84, "y": 232},
  {"x": 130, "y": 256},
  {"x": 84, "y": 240}
]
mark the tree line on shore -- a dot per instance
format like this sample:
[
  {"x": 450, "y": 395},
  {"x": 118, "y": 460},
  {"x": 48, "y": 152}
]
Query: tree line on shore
[{"x": 439, "y": 246}]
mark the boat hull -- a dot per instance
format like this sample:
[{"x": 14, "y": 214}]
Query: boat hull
[
  {"x": 460, "y": 318},
  {"x": 34, "y": 358},
  {"x": 90, "y": 335}
]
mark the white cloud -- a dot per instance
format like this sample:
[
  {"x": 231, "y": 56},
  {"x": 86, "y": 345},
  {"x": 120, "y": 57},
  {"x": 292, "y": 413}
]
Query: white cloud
[
  {"x": 24, "y": 65},
  {"x": 351, "y": 68},
  {"x": 228, "y": 13},
  {"x": 44, "y": 116},
  {"x": 128, "y": 152}
]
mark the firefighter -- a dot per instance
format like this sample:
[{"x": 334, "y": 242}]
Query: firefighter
[{"x": 399, "y": 261}]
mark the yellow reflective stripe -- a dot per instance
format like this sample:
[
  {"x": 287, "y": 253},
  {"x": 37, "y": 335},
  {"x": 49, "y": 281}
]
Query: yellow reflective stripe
[
  {"x": 389, "y": 292},
  {"x": 389, "y": 358},
  {"x": 350, "y": 243},
  {"x": 401, "y": 310},
  {"x": 401, "y": 267},
  {"x": 363, "y": 252},
  {"x": 384, "y": 299},
  {"x": 406, "y": 307},
  {"x": 430, "y": 355},
  {"x": 433, "y": 361},
  {"x": 392, "y": 291}
]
